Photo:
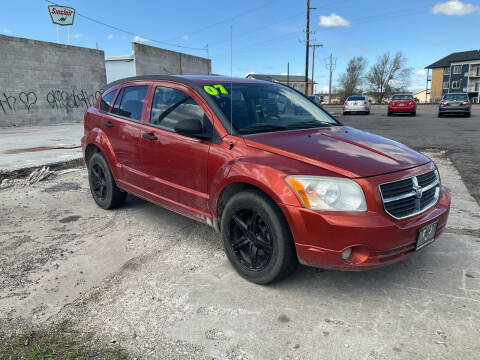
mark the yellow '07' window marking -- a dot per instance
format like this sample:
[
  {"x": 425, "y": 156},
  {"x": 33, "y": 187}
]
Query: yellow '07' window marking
[{"x": 214, "y": 89}]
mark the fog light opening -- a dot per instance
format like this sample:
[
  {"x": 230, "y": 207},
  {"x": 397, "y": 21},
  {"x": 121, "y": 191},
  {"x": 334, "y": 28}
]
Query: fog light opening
[{"x": 346, "y": 254}]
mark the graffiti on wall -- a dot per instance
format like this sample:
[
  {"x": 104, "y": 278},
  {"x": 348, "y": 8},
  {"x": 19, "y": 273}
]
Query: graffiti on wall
[{"x": 56, "y": 99}]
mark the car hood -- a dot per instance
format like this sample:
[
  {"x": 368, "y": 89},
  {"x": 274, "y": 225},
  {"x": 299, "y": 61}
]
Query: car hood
[{"x": 342, "y": 149}]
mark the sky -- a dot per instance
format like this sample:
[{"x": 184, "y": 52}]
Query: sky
[{"x": 266, "y": 34}]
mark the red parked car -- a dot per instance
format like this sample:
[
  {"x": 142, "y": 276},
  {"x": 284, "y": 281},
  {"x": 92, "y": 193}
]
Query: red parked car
[
  {"x": 281, "y": 179},
  {"x": 402, "y": 104}
]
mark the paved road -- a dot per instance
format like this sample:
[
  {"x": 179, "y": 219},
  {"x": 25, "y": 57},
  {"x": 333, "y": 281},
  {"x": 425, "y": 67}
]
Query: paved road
[{"x": 460, "y": 136}]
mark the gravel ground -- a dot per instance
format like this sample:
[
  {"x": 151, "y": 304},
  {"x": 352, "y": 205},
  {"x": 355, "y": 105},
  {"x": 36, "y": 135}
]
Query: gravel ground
[{"x": 160, "y": 286}]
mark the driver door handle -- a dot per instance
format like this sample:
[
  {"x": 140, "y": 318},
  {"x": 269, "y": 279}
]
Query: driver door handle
[{"x": 149, "y": 136}]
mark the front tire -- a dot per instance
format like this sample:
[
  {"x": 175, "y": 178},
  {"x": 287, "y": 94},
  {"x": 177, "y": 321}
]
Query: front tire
[
  {"x": 102, "y": 184},
  {"x": 257, "y": 239}
]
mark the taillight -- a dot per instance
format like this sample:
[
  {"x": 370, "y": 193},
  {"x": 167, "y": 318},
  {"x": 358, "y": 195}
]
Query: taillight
[
  {"x": 410, "y": 103},
  {"x": 345, "y": 103},
  {"x": 443, "y": 103},
  {"x": 466, "y": 102},
  {"x": 364, "y": 103}
]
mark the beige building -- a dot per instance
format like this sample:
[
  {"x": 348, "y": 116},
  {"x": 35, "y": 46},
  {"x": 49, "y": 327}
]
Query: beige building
[{"x": 423, "y": 96}]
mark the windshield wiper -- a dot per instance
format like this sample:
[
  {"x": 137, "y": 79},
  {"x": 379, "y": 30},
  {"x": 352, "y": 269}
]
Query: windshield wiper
[
  {"x": 261, "y": 127},
  {"x": 309, "y": 124}
]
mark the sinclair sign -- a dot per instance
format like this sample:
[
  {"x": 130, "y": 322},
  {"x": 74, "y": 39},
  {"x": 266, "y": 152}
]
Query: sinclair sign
[{"x": 61, "y": 15}]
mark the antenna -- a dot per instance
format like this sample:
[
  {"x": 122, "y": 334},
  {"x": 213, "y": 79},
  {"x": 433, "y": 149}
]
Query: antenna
[{"x": 231, "y": 86}]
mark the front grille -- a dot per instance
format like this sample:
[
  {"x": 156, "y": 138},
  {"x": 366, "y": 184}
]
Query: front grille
[{"x": 411, "y": 196}]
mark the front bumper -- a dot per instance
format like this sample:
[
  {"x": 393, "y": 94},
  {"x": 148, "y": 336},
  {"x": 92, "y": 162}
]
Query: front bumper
[
  {"x": 401, "y": 109},
  {"x": 321, "y": 237}
]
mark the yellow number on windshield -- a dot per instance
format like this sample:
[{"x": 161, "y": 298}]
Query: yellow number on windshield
[{"x": 213, "y": 90}]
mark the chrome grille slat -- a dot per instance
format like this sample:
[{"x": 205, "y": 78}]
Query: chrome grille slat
[{"x": 411, "y": 196}]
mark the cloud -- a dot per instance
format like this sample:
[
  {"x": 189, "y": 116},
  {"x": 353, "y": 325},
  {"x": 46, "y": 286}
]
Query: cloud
[
  {"x": 140, "y": 39},
  {"x": 110, "y": 36},
  {"x": 7, "y": 31},
  {"x": 185, "y": 37},
  {"x": 421, "y": 72},
  {"x": 284, "y": 74},
  {"x": 77, "y": 36},
  {"x": 454, "y": 7},
  {"x": 299, "y": 73},
  {"x": 333, "y": 20}
]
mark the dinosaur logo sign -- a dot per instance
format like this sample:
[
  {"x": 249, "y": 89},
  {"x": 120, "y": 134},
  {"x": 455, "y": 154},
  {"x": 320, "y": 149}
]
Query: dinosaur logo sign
[{"x": 61, "y": 15}]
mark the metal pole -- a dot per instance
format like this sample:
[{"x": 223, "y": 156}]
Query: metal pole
[
  {"x": 58, "y": 34},
  {"x": 330, "y": 82},
  {"x": 307, "y": 47},
  {"x": 288, "y": 74},
  {"x": 313, "y": 69},
  {"x": 426, "y": 88}
]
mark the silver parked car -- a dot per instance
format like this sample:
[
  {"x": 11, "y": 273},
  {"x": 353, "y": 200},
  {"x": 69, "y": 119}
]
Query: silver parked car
[
  {"x": 357, "y": 104},
  {"x": 455, "y": 103}
]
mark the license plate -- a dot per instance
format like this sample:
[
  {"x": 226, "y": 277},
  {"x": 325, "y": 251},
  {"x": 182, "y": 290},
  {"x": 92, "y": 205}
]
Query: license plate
[
  {"x": 426, "y": 235},
  {"x": 401, "y": 104}
]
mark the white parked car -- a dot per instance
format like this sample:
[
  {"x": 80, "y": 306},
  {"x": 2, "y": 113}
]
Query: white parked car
[{"x": 356, "y": 104}]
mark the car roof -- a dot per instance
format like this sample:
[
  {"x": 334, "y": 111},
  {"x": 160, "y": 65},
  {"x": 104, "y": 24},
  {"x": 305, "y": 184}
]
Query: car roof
[{"x": 189, "y": 80}]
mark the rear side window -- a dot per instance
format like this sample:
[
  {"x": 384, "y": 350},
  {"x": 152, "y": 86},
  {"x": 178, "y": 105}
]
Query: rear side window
[
  {"x": 107, "y": 100},
  {"x": 171, "y": 106},
  {"x": 130, "y": 101}
]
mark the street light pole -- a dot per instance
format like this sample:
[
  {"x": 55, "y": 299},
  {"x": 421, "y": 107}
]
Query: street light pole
[{"x": 307, "y": 47}]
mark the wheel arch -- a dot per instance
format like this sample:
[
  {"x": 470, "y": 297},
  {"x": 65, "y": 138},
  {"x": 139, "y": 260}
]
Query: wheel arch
[{"x": 97, "y": 141}]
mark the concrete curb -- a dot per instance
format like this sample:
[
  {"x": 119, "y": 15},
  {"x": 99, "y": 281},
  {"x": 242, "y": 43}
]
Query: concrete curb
[{"x": 24, "y": 172}]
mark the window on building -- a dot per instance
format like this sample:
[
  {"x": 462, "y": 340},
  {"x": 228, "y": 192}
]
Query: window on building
[
  {"x": 478, "y": 71},
  {"x": 107, "y": 100},
  {"x": 170, "y": 106},
  {"x": 131, "y": 103},
  {"x": 477, "y": 86},
  {"x": 455, "y": 84},
  {"x": 457, "y": 69},
  {"x": 446, "y": 70},
  {"x": 446, "y": 85}
]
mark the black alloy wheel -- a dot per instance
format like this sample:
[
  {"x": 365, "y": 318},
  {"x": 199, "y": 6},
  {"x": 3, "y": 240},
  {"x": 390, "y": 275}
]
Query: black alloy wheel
[
  {"x": 99, "y": 182},
  {"x": 102, "y": 184},
  {"x": 251, "y": 240},
  {"x": 257, "y": 239}
]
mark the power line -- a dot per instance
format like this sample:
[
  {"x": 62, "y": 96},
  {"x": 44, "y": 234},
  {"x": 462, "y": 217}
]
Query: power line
[
  {"x": 243, "y": 13},
  {"x": 131, "y": 33}
]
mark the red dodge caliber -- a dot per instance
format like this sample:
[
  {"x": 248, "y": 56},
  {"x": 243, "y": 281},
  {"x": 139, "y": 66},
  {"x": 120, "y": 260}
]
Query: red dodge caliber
[{"x": 280, "y": 178}]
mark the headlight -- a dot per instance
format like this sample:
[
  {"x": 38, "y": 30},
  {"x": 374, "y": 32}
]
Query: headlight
[{"x": 328, "y": 193}]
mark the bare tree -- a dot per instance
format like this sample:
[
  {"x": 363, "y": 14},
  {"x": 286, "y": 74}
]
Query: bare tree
[
  {"x": 387, "y": 75},
  {"x": 351, "y": 80}
]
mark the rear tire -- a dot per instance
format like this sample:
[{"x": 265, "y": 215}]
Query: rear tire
[
  {"x": 257, "y": 239},
  {"x": 389, "y": 113},
  {"x": 102, "y": 184},
  {"x": 468, "y": 114},
  {"x": 440, "y": 114},
  {"x": 414, "y": 113}
]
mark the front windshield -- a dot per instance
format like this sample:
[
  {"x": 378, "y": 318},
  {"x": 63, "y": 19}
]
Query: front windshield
[{"x": 267, "y": 107}]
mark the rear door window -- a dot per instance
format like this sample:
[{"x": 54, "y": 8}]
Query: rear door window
[
  {"x": 130, "y": 101},
  {"x": 107, "y": 100},
  {"x": 170, "y": 106}
]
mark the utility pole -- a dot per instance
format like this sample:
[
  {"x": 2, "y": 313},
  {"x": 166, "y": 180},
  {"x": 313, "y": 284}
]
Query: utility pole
[
  {"x": 330, "y": 67},
  {"x": 307, "y": 45},
  {"x": 314, "y": 46},
  {"x": 288, "y": 74}
]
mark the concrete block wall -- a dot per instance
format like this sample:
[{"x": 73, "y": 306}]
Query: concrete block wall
[
  {"x": 150, "y": 60},
  {"x": 46, "y": 83}
]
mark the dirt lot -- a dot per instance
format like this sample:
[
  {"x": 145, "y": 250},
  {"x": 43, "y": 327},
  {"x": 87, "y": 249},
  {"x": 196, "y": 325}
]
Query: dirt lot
[{"x": 160, "y": 286}]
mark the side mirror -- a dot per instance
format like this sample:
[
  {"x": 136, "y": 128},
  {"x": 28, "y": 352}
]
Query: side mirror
[{"x": 191, "y": 128}]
